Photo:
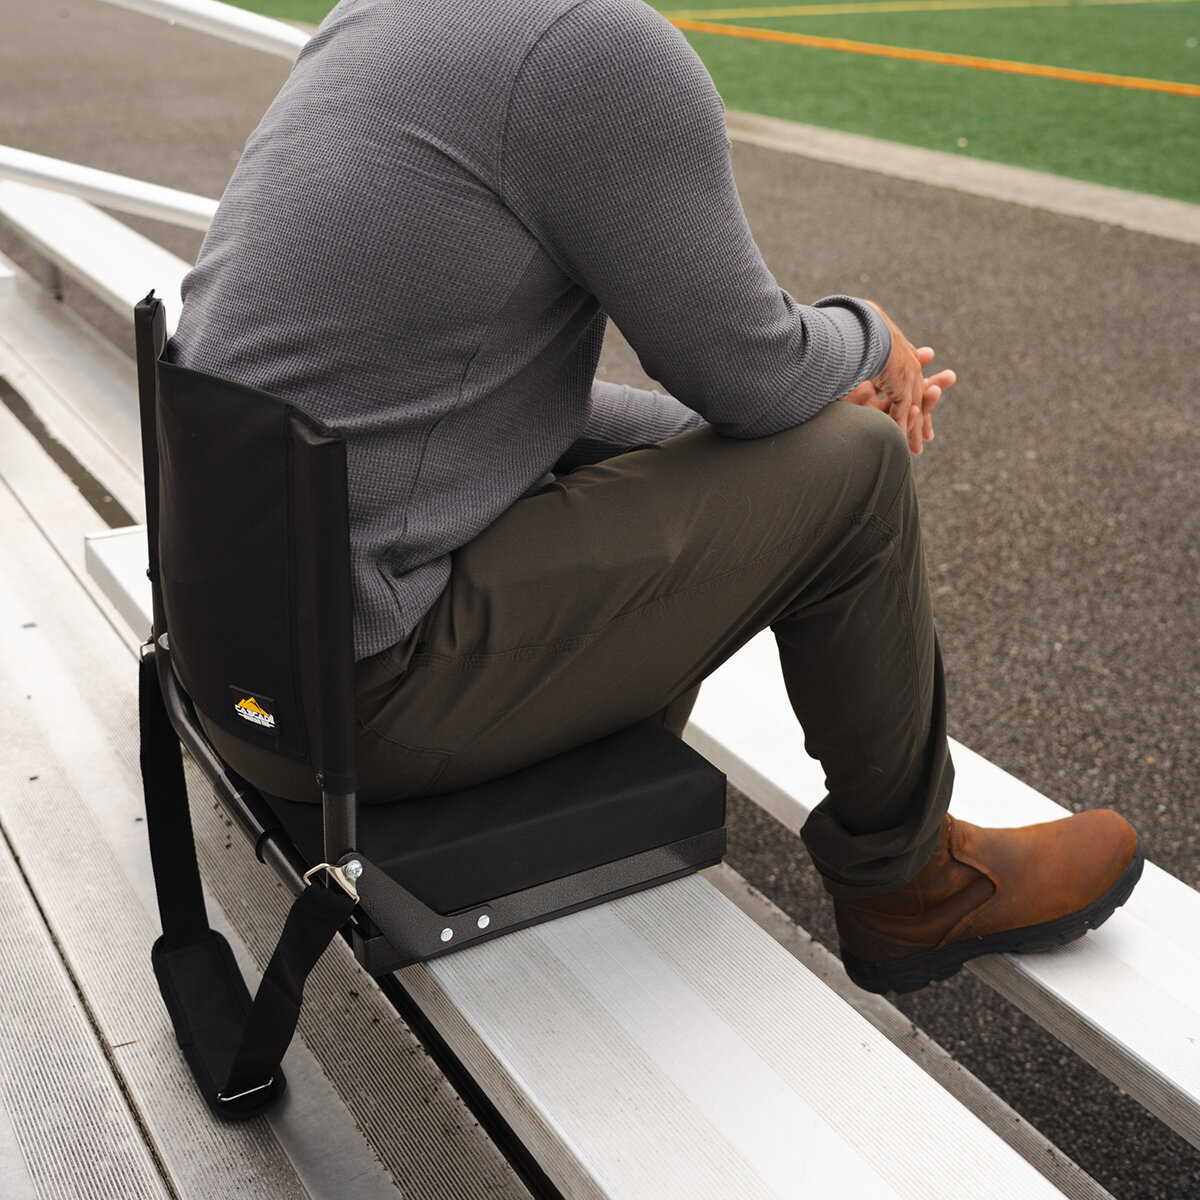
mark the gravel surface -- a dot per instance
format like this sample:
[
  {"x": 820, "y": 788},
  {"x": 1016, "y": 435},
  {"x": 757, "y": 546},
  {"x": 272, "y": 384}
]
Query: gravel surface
[{"x": 1060, "y": 497}]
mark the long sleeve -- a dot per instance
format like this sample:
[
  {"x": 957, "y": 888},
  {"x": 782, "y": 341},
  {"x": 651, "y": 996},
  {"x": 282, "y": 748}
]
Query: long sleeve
[
  {"x": 615, "y": 155},
  {"x": 622, "y": 417},
  {"x": 421, "y": 239}
]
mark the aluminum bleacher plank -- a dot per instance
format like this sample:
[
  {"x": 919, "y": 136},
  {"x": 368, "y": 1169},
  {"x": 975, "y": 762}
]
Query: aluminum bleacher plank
[
  {"x": 572, "y": 1138},
  {"x": 113, "y": 261},
  {"x": 59, "y": 510},
  {"x": 115, "y": 554},
  {"x": 65, "y": 1128},
  {"x": 79, "y": 386},
  {"x": 672, "y": 1048},
  {"x": 97, "y": 917},
  {"x": 1095, "y": 995},
  {"x": 15, "y": 1181},
  {"x": 68, "y": 717},
  {"x": 110, "y": 556},
  {"x": 1000, "y": 1117}
]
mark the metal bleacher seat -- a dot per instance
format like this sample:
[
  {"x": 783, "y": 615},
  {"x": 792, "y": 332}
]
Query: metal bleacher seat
[{"x": 250, "y": 570}]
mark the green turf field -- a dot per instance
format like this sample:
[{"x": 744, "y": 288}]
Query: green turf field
[
  {"x": 1142, "y": 140},
  {"x": 312, "y": 11}
]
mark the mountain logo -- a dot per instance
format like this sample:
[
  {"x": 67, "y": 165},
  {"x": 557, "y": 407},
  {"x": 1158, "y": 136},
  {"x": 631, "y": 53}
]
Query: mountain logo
[{"x": 255, "y": 709}]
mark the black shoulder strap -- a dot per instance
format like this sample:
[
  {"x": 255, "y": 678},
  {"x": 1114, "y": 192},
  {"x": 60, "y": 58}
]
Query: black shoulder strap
[{"x": 232, "y": 1045}]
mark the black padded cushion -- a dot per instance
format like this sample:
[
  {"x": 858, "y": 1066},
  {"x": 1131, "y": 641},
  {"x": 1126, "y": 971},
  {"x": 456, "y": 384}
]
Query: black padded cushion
[
  {"x": 231, "y": 588},
  {"x": 632, "y": 791}
]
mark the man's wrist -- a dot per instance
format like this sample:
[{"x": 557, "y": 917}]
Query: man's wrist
[{"x": 876, "y": 331}]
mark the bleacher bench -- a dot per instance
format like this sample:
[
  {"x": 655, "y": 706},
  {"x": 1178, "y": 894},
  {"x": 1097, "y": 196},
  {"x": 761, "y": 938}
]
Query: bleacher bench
[
  {"x": 664, "y": 1045},
  {"x": 1126, "y": 997}
]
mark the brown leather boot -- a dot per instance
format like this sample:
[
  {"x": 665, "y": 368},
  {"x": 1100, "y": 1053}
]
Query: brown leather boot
[{"x": 986, "y": 890}]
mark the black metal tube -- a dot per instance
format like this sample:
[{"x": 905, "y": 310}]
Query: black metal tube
[{"x": 341, "y": 824}]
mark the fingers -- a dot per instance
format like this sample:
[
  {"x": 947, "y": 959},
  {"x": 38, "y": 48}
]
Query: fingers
[
  {"x": 909, "y": 419},
  {"x": 905, "y": 413},
  {"x": 932, "y": 396},
  {"x": 917, "y": 419},
  {"x": 935, "y": 389},
  {"x": 907, "y": 396},
  {"x": 916, "y": 423},
  {"x": 904, "y": 386},
  {"x": 933, "y": 393},
  {"x": 867, "y": 395},
  {"x": 943, "y": 380}
]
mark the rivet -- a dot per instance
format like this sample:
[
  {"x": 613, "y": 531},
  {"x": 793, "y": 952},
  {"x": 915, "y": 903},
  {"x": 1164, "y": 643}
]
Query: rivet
[
  {"x": 447, "y": 934},
  {"x": 484, "y": 921}
]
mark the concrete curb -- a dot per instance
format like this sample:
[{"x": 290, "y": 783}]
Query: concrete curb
[{"x": 1173, "y": 219}]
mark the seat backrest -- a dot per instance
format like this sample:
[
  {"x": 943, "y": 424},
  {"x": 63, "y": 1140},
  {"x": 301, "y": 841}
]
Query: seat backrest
[{"x": 250, "y": 558}]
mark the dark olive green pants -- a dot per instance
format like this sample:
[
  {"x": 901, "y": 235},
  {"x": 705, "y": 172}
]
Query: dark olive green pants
[{"x": 611, "y": 594}]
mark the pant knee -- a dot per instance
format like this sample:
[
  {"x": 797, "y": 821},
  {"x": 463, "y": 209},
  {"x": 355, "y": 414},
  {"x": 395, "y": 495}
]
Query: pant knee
[
  {"x": 867, "y": 451},
  {"x": 887, "y": 450}
]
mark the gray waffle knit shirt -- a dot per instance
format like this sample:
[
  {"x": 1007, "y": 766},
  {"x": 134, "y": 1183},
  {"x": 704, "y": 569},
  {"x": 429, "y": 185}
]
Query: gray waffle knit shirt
[{"x": 426, "y": 231}]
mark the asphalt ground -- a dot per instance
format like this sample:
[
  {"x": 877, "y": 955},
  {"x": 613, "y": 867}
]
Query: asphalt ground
[{"x": 1060, "y": 497}]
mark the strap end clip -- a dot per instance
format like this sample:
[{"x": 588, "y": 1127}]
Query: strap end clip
[{"x": 344, "y": 876}]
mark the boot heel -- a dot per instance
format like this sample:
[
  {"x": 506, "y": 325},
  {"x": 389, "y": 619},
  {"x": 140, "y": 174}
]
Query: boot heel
[
  {"x": 918, "y": 970},
  {"x": 905, "y": 975}
]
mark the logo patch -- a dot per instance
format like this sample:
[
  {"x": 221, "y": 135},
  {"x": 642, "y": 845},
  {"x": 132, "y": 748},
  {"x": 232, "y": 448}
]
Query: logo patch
[{"x": 254, "y": 707}]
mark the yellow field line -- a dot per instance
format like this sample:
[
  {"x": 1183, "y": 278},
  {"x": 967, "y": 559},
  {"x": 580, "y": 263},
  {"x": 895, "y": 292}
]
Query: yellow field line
[
  {"x": 936, "y": 56},
  {"x": 888, "y": 6}
]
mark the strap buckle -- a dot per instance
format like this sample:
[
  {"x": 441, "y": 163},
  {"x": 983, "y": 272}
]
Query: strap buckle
[
  {"x": 344, "y": 876},
  {"x": 262, "y": 1087}
]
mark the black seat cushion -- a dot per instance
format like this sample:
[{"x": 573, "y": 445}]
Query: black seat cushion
[{"x": 635, "y": 790}]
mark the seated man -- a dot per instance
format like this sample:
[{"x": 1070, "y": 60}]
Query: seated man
[{"x": 420, "y": 246}]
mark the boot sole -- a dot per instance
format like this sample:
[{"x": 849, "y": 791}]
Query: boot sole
[{"x": 918, "y": 970}]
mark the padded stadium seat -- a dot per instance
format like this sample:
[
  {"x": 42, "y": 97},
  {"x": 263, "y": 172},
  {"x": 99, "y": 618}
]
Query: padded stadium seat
[
  {"x": 636, "y": 791},
  {"x": 246, "y": 497}
]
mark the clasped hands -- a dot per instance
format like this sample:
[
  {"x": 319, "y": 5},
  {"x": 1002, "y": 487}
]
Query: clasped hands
[{"x": 902, "y": 390}]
